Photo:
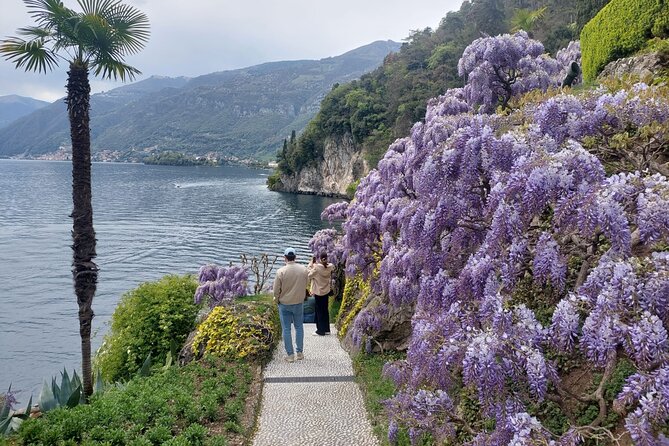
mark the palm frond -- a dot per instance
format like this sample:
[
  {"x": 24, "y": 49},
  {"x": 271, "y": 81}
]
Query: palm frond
[
  {"x": 31, "y": 55},
  {"x": 131, "y": 26},
  {"x": 527, "y": 19},
  {"x": 114, "y": 69},
  {"x": 34, "y": 32},
  {"x": 96, "y": 7},
  {"x": 95, "y": 34},
  {"x": 101, "y": 35},
  {"x": 113, "y": 28},
  {"x": 48, "y": 13}
]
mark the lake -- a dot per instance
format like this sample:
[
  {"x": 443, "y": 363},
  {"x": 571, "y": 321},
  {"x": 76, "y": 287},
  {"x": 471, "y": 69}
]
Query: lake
[{"x": 149, "y": 220}]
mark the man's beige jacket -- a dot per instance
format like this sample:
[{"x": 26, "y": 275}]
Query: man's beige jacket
[{"x": 290, "y": 284}]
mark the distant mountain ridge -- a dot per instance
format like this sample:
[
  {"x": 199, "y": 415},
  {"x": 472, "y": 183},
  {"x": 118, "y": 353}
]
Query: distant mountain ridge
[
  {"x": 237, "y": 113},
  {"x": 13, "y": 107}
]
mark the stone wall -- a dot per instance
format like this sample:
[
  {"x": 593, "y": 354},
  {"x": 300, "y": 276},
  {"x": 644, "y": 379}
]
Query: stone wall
[{"x": 642, "y": 66}]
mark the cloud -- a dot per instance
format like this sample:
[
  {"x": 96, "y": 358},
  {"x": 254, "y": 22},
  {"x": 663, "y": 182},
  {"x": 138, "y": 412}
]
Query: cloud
[{"x": 190, "y": 38}]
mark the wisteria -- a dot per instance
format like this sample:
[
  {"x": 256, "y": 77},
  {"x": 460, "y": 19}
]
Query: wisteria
[
  {"x": 327, "y": 241},
  {"x": 335, "y": 212},
  {"x": 651, "y": 392},
  {"x": 512, "y": 245},
  {"x": 221, "y": 284},
  {"x": 498, "y": 68}
]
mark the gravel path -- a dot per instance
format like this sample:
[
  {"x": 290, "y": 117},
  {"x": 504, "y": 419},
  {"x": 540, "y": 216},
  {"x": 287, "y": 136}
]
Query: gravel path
[{"x": 314, "y": 401}]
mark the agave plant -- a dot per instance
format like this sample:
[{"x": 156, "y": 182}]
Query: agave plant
[
  {"x": 9, "y": 419},
  {"x": 68, "y": 394}
]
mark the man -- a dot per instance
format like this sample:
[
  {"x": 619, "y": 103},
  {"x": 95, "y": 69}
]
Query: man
[
  {"x": 320, "y": 274},
  {"x": 290, "y": 286}
]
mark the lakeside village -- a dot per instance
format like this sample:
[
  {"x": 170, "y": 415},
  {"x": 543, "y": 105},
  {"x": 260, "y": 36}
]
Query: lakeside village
[{"x": 151, "y": 155}]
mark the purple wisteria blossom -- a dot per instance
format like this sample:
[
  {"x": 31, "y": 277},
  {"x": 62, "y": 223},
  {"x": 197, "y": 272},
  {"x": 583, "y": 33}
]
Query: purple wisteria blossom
[
  {"x": 327, "y": 241},
  {"x": 221, "y": 284},
  {"x": 565, "y": 326},
  {"x": 548, "y": 263},
  {"x": 335, "y": 212},
  {"x": 648, "y": 395},
  {"x": 498, "y": 68}
]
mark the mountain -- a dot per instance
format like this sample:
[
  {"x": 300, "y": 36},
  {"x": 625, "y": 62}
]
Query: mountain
[
  {"x": 13, "y": 107},
  {"x": 237, "y": 113}
]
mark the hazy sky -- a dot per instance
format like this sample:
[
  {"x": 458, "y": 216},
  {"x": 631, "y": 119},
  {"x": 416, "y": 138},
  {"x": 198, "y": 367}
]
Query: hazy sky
[{"x": 194, "y": 37}]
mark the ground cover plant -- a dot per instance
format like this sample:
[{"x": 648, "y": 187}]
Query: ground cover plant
[
  {"x": 249, "y": 328},
  {"x": 533, "y": 245},
  {"x": 199, "y": 404}
]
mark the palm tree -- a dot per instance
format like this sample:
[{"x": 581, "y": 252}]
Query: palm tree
[
  {"x": 97, "y": 38},
  {"x": 527, "y": 19}
]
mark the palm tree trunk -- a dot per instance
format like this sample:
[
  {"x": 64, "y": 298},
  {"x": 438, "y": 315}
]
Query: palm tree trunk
[{"x": 84, "y": 270}]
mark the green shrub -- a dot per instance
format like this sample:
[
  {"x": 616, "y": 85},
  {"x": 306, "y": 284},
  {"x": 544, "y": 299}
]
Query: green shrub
[
  {"x": 218, "y": 440},
  {"x": 158, "y": 434},
  {"x": 195, "y": 434},
  {"x": 249, "y": 329},
  {"x": 661, "y": 25},
  {"x": 152, "y": 318},
  {"x": 351, "y": 188},
  {"x": 274, "y": 181},
  {"x": 621, "y": 28},
  {"x": 335, "y": 305}
]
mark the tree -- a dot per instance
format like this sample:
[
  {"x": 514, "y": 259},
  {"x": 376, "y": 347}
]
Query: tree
[
  {"x": 498, "y": 68},
  {"x": 98, "y": 38},
  {"x": 526, "y": 19}
]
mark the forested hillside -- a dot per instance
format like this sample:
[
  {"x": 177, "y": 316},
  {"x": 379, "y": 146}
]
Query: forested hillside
[
  {"x": 384, "y": 104},
  {"x": 236, "y": 113}
]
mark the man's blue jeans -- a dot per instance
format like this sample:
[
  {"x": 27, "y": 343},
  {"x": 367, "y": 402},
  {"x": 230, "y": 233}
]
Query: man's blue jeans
[{"x": 292, "y": 314}]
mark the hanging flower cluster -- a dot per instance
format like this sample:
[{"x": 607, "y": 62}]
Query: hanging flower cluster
[{"x": 221, "y": 284}]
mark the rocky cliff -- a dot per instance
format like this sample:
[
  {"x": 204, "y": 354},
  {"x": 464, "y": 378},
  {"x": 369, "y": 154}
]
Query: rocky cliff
[{"x": 342, "y": 164}]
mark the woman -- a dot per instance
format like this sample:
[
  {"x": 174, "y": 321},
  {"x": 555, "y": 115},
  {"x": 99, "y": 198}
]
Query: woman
[{"x": 320, "y": 276}]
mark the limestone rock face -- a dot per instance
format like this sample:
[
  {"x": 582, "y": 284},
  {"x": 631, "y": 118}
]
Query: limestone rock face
[
  {"x": 341, "y": 165},
  {"x": 642, "y": 66}
]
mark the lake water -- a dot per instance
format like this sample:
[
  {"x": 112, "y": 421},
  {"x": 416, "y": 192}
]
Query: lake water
[{"x": 149, "y": 220}]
